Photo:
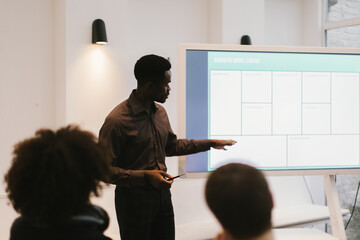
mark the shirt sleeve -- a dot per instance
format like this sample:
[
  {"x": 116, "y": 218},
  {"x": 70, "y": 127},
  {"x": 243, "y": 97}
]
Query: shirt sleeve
[
  {"x": 178, "y": 147},
  {"x": 114, "y": 139}
]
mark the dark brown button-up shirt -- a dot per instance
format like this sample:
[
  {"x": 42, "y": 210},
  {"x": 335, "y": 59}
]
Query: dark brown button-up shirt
[{"x": 140, "y": 140}]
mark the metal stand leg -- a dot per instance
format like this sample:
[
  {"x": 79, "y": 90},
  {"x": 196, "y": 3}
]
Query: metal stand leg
[{"x": 337, "y": 224}]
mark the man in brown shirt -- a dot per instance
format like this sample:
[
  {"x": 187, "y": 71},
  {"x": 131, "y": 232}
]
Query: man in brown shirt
[{"x": 139, "y": 135}]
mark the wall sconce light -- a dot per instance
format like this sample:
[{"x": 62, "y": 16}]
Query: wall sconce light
[
  {"x": 99, "y": 32},
  {"x": 245, "y": 40}
]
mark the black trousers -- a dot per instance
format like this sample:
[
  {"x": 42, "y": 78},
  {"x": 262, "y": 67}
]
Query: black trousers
[{"x": 144, "y": 213}]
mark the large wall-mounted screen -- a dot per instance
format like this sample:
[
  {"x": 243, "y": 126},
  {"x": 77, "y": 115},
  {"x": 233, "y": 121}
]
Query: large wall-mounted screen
[{"x": 287, "y": 108}]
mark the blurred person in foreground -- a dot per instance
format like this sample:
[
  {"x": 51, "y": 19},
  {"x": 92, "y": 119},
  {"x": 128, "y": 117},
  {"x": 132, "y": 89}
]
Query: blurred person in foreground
[
  {"x": 50, "y": 181},
  {"x": 240, "y": 199}
]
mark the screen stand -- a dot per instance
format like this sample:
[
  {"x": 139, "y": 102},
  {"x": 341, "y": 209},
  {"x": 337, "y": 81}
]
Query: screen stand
[{"x": 337, "y": 224}]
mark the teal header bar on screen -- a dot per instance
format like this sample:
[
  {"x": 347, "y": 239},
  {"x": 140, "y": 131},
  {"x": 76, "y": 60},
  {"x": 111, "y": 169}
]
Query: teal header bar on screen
[{"x": 278, "y": 61}]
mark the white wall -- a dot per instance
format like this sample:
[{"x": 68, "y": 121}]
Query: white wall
[
  {"x": 215, "y": 21},
  {"x": 160, "y": 30},
  {"x": 293, "y": 22},
  {"x": 284, "y": 20},
  {"x": 51, "y": 74},
  {"x": 26, "y": 81},
  {"x": 95, "y": 76},
  {"x": 242, "y": 17},
  {"x": 312, "y": 16},
  {"x": 26, "y": 72}
]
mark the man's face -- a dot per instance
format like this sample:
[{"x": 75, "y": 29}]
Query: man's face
[{"x": 161, "y": 90}]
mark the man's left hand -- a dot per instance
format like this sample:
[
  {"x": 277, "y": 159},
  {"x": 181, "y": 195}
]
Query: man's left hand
[{"x": 220, "y": 144}]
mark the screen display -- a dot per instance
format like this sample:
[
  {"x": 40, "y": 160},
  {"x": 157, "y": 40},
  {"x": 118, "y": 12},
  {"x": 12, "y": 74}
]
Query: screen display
[{"x": 285, "y": 110}]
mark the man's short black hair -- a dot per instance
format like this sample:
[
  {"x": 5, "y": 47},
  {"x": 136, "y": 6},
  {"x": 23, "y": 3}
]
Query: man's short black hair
[
  {"x": 151, "y": 68},
  {"x": 240, "y": 198}
]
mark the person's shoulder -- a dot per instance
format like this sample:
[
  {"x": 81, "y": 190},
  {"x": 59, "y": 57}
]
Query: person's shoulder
[
  {"x": 73, "y": 234},
  {"x": 84, "y": 234},
  {"x": 121, "y": 113},
  {"x": 22, "y": 229},
  {"x": 19, "y": 221},
  {"x": 120, "y": 110}
]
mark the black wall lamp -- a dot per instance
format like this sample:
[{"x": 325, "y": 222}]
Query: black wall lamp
[
  {"x": 99, "y": 32},
  {"x": 245, "y": 40}
]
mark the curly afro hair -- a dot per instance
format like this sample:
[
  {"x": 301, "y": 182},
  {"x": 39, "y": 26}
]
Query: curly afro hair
[{"x": 54, "y": 173}]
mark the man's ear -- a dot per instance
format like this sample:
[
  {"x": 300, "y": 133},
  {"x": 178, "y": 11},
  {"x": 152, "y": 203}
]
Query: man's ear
[{"x": 148, "y": 86}]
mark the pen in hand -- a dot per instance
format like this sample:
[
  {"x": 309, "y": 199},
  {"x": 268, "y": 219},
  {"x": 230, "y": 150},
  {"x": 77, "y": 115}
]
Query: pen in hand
[{"x": 169, "y": 179}]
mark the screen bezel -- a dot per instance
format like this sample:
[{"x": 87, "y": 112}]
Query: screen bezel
[{"x": 182, "y": 48}]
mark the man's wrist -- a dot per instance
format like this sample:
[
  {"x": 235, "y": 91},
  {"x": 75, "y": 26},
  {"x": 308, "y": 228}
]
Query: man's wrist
[{"x": 138, "y": 177}]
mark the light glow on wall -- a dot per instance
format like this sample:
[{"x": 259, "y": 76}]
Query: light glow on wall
[{"x": 94, "y": 83}]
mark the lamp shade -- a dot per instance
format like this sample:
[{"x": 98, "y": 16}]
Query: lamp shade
[{"x": 99, "y": 32}]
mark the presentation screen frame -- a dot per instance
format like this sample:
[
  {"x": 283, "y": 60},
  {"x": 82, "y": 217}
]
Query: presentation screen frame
[{"x": 182, "y": 69}]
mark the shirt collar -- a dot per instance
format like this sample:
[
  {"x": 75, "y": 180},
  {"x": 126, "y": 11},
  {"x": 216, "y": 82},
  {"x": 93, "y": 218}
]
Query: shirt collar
[{"x": 137, "y": 107}]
